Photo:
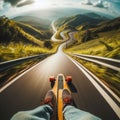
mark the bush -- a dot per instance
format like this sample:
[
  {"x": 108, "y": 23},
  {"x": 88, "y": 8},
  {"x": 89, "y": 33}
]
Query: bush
[{"x": 48, "y": 44}]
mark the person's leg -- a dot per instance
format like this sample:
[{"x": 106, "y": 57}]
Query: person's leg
[
  {"x": 72, "y": 113},
  {"x": 40, "y": 113},
  {"x": 43, "y": 112}
]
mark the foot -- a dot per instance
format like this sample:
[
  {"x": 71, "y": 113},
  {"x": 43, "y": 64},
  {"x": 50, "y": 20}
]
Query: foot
[
  {"x": 66, "y": 97},
  {"x": 50, "y": 98}
]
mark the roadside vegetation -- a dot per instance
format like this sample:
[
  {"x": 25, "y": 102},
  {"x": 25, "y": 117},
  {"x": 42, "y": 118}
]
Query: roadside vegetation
[
  {"x": 19, "y": 40},
  {"x": 109, "y": 77},
  {"x": 103, "y": 40},
  {"x": 18, "y": 50},
  {"x": 23, "y": 40},
  {"x": 9, "y": 74},
  {"x": 107, "y": 45}
]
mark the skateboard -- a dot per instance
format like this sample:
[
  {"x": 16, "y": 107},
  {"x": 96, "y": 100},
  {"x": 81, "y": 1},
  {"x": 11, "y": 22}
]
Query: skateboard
[{"x": 58, "y": 84}]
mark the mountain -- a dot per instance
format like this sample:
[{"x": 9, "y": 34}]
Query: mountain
[
  {"x": 97, "y": 16},
  {"x": 78, "y": 22},
  {"x": 108, "y": 25},
  {"x": 90, "y": 19},
  {"x": 103, "y": 29},
  {"x": 34, "y": 21},
  {"x": 36, "y": 32},
  {"x": 11, "y": 32},
  {"x": 102, "y": 40}
]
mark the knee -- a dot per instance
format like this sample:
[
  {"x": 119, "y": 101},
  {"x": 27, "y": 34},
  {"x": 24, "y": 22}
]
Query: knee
[{"x": 20, "y": 116}]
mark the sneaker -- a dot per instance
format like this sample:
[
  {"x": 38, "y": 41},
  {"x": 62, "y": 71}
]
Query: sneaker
[
  {"x": 50, "y": 98},
  {"x": 66, "y": 97}
]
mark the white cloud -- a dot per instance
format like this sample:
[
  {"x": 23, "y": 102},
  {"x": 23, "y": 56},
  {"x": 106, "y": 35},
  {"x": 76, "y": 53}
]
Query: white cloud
[
  {"x": 1, "y": 4},
  {"x": 87, "y": 2},
  {"x": 99, "y": 4},
  {"x": 107, "y": 4}
]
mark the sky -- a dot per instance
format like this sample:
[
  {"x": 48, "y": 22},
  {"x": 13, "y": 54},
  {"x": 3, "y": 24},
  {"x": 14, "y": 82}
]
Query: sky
[{"x": 12, "y": 8}]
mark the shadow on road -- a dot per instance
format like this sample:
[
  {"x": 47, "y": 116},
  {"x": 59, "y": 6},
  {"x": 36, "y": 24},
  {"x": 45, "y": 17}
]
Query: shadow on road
[
  {"x": 72, "y": 87},
  {"x": 52, "y": 84}
]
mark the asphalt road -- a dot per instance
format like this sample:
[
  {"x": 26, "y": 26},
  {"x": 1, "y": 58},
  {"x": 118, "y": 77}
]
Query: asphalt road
[{"x": 27, "y": 92}]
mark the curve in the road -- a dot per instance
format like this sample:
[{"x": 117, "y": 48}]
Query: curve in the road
[
  {"x": 26, "y": 92},
  {"x": 29, "y": 89}
]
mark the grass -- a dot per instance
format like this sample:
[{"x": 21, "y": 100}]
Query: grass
[
  {"x": 100, "y": 46},
  {"x": 106, "y": 45},
  {"x": 9, "y": 74},
  {"x": 18, "y": 50},
  {"x": 109, "y": 77},
  {"x": 14, "y": 51}
]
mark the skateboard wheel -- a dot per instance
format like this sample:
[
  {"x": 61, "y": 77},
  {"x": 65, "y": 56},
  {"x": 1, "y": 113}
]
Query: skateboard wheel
[
  {"x": 68, "y": 79},
  {"x": 52, "y": 79}
]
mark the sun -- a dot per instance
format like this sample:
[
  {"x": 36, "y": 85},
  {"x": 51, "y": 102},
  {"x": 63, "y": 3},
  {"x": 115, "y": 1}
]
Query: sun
[{"x": 41, "y": 4}]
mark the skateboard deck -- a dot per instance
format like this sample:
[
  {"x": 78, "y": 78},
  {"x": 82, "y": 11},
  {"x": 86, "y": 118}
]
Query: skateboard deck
[{"x": 60, "y": 83}]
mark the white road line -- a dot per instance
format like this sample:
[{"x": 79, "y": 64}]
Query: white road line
[
  {"x": 103, "y": 58},
  {"x": 109, "y": 100},
  {"x": 101, "y": 63},
  {"x": 15, "y": 79}
]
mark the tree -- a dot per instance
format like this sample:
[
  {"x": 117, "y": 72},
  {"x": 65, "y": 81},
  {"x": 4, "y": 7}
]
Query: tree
[{"x": 48, "y": 44}]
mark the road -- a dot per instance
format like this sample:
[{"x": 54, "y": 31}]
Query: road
[
  {"x": 30, "y": 88},
  {"x": 53, "y": 38}
]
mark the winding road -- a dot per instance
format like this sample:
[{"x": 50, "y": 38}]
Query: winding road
[
  {"x": 29, "y": 89},
  {"x": 26, "y": 91}
]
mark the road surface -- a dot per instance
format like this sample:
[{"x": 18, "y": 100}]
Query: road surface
[{"x": 29, "y": 89}]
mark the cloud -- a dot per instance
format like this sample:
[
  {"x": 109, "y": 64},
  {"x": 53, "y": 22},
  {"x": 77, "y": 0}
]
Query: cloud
[
  {"x": 107, "y": 4},
  {"x": 87, "y": 2},
  {"x": 103, "y": 4},
  {"x": 12, "y": 2},
  {"x": 19, "y": 3},
  {"x": 15, "y": 7},
  {"x": 99, "y": 4},
  {"x": 25, "y": 2},
  {"x": 1, "y": 4}
]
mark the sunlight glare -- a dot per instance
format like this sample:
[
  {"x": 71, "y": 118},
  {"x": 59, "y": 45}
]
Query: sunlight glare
[{"x": 41, "y": 4}]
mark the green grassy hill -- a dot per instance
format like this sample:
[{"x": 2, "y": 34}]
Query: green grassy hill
[
  {"x": 20, "y": 40},
  {"x": 85, "y": 21},
  {"x": 37, "y": 33},
  {"x": 80, "y": 19},
  {"x": 36, "y": 22},
  {"x": 11, "y": 32},
  {"x": 102, "y": 40}
]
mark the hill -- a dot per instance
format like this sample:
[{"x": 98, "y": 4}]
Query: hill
[
  {"x": 108, "y": 25},
  {"x": 11, "y": 32},
  {"x": 36, "y": 32},
  {"x": 36, "y": 22},
  {"x": 80, "y": 21},
  {"x": 19, "y": 40},
  {"x": 102, "y": 40}
]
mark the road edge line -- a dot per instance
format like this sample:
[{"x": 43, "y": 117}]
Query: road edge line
[
  {"x": 15, "y": 79},
  {"x": 107, "y": 98},
  {"x": 100, "y": 63}
]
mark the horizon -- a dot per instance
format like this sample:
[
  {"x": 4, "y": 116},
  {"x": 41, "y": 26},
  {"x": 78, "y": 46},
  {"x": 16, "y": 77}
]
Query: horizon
[{"x": 21, "y": 7}]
